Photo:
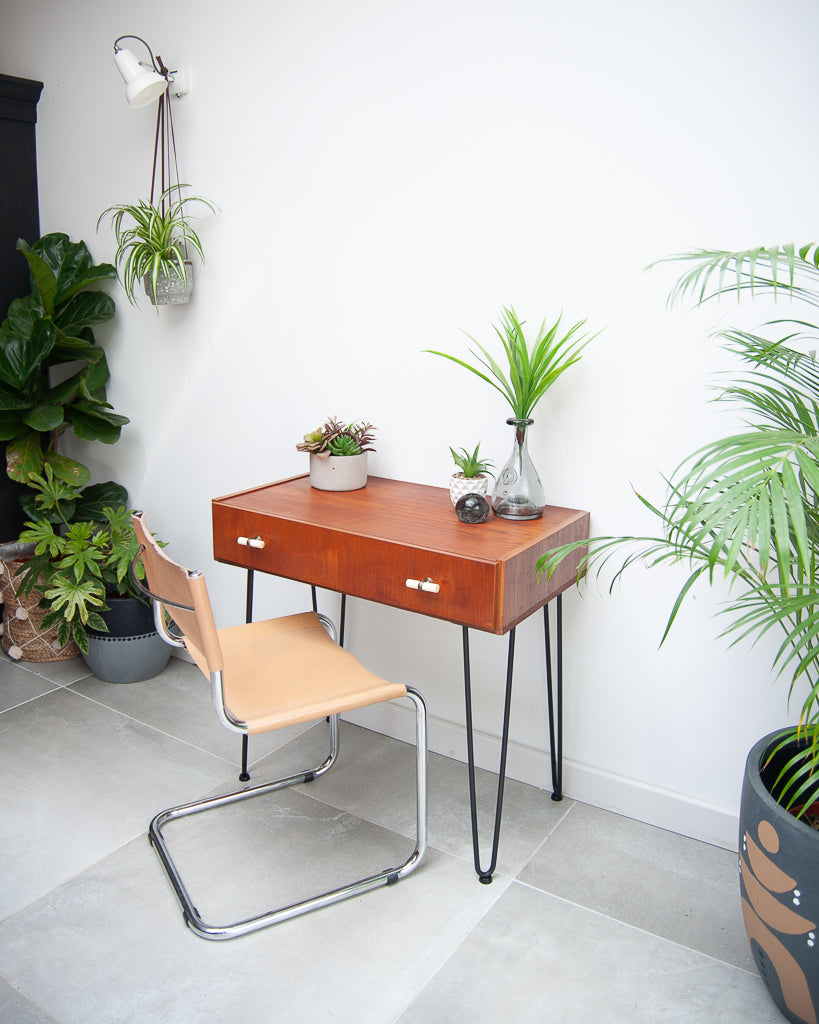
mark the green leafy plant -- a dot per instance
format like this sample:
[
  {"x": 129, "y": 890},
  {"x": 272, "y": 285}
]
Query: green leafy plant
[
  {"x": 470, "y": 465},
  {"x": 154, "y": 239},
  {"x": 337, "y": 438},
  {"x": 746, "y": 507},
  {"x": 52, "y": 327},
  {"x": 530, "y": 369},
  {"x": 76, "y": 563}
]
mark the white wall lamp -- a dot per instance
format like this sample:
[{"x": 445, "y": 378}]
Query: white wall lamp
[{"x": 145, "y": 83}]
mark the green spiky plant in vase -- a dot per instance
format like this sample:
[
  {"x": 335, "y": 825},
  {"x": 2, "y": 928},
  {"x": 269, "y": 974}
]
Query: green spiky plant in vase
[
  {"x": 745, "y": 508},
  {"x": 531, "y": 369}
]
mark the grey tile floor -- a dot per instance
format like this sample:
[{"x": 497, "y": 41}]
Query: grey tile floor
[{"x": 591, "y": 916}]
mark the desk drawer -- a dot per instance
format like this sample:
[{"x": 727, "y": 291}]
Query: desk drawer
[{"x": 360, "y": 566}]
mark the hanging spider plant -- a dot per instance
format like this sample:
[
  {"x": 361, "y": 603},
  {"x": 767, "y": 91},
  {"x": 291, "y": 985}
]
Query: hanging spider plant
[
  {"x": 154, "y": 240},
  {"x": 746, "y": 507},
  {"x": 530, "y": 369}
]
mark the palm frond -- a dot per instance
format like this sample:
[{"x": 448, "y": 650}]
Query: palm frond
[
  {"x": 762, "y": 270},
  {"x": 745, "y": 508}
]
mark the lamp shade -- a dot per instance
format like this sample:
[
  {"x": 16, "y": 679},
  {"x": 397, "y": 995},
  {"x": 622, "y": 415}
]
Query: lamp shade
[{"x": 142, "y": 84}]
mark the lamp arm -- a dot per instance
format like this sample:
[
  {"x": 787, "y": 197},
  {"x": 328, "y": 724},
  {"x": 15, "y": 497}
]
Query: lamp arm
[{"x": 117, "y": 48}]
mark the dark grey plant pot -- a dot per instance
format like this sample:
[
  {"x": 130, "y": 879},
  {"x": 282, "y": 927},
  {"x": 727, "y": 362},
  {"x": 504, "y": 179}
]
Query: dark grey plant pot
[
  {"x": 779, "y": 884},
  {"x": 132, "y": 650}
]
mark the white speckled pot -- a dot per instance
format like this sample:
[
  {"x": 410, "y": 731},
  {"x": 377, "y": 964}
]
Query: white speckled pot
[{"x": 338, "y": 472}]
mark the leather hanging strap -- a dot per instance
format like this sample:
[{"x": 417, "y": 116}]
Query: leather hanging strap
[{"x": 165, "y": 160}]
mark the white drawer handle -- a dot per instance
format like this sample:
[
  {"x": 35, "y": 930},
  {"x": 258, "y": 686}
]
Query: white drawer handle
[
  {"x": 250, "y": 542},
  {"x": 425, "y": 584}
]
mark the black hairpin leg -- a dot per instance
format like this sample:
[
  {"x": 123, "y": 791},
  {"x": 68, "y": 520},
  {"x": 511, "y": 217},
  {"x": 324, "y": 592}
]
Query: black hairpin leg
[
  {"x": 249, "y": 597},
  {"x": 554, "y": 680},
  {"x": 485, "y": 874},
  {"x": 244, "y": 774},
  {"x": 555, "y": 698}
]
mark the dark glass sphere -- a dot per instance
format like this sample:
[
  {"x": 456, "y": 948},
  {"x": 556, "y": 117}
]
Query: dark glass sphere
[{"x": 472, "y": 508}]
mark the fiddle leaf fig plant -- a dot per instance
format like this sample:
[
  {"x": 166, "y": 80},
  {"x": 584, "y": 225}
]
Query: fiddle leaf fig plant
[{"x": 52, "y": 328}]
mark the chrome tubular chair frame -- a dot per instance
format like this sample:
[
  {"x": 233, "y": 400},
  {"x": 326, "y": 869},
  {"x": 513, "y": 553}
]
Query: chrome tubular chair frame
[{"x": 205, "y": 930}]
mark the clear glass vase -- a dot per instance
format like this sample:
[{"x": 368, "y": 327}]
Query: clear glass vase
[{"x": 518, "y": 492}]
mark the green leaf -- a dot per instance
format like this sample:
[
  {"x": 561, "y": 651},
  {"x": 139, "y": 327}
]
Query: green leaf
[
  {"x": 95, "y": 422},
  {"x": 23, "y": 355},
  {"x": 70, "y": 264},
  {"x": 24, "y": 457},
  {"x": 95, "y": 499},
  {"x": 44, "y": 418},
  {"x": 85, "y": 309},
  {"x": 11, "y": 425},
  {"x": 71, "y": 472}
]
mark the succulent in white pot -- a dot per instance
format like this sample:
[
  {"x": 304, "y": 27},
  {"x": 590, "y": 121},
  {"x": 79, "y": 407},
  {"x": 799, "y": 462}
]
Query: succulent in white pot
[
  {"x": 338, "y": 455},
  {"x": 471, "y": 476}
]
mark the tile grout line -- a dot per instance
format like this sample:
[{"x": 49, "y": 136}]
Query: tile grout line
[
  {"x": 635, "y": 927},
  {"x": 147, "y": 725}
]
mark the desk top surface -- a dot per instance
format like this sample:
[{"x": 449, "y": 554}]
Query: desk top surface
[{"x": 405, "y": 513}]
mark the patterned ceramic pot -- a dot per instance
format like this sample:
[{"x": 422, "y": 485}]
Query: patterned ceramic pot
[
  {"x": 460, "y": 485},
  {"x": 779, "y": 884}
]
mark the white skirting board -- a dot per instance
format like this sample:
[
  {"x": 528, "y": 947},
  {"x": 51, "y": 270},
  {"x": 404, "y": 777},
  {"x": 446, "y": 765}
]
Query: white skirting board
[{"x": 672, "y": 811}]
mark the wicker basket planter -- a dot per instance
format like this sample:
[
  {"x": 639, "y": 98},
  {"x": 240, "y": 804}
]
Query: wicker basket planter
[{"x": 24, "y": 639}]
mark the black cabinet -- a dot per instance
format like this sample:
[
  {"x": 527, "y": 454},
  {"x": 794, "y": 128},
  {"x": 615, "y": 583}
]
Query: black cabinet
[
  {"x": 19, "y": 210},
  {"x": 19, "y": 218}
]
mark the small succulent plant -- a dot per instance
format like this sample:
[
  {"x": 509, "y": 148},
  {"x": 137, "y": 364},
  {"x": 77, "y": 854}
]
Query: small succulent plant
[
  {"x": 471, "y": 465},
  {"x": 336, "y": 438}
]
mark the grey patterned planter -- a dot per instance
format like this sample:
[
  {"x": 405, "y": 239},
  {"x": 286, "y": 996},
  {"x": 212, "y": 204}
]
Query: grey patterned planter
[{"x": 779, "y": 883}]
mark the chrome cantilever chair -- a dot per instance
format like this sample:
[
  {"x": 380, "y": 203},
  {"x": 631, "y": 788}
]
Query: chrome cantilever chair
[{"x": 266, "y": 675}]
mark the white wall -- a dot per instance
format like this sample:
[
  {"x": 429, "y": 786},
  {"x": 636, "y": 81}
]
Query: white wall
[{"x": 389, "y": 172}]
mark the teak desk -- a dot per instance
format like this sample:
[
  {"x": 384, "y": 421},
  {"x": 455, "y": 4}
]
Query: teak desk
[{"x": 401, "y": 544}]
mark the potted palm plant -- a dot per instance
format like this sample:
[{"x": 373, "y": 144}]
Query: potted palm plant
[
  {"x": 746, "y": 507},
  {"x": 338, "y": 454},
  {"x": 471, "y": 475},
  {"x": 53, "y": 327},
  {"x": 154, "y": 243},
  {"x": 82, "y": 570},
  {"x": 530, "y": 372}
]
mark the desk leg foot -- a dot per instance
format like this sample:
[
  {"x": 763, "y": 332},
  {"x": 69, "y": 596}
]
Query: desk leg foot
[{"x": 485, "y": 874}]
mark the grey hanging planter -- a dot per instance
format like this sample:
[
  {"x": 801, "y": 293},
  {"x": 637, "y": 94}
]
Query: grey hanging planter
[
  {"x": 171, "y": 289},
  {"x": 132, "y": 650}
]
